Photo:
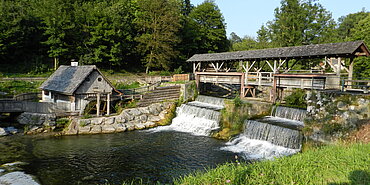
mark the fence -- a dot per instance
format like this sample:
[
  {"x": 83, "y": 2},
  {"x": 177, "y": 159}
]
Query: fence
[
  {"x": 140, "y": 90},
  {"x": 27, "y": 97}
]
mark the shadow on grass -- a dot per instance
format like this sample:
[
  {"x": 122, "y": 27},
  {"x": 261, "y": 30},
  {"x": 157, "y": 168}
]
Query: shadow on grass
[{"x": 357, "y": 177}]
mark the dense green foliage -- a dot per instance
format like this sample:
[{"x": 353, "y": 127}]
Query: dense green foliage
[
  {"x": 18, "y": 87},
  {"x": 296, "y": 99},
  {"x": 37, "y": 35},
  {"x": 302, "y": 22},
  {"x": 336, "y": 164}
]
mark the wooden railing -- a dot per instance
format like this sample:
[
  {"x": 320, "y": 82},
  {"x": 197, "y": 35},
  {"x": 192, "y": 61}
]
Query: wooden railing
[{"x": 137, "y": 93}]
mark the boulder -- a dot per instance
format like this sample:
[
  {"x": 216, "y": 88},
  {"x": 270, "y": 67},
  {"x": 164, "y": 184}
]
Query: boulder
[
  {"x": 142, "y": 118},
  {"x": 11, "y": 130},
  {"x": 152, "y": 118},
  {"x": 130, "y": 126},
  {"x": 109, "y": 120},
  {"x": 163, "y": 114},
  {"x": 3, "y": 132},
  {"x": 17, "y": 178},
  {"x": 153, "y": 110},
  {"x": 120, "y": 119},
  {"x": 108, "y": 129},
  {"x": 125, "y": 114},
  {"x": 95, "y": 129},
  {"x": 150, "y": 124},
  {"x": 134, "y": 112},
  {"x": 139, "y": 126},
  {"x": 120, "y": 127},
  {"x": 144, "y": 110},
  {"x": 97, "y": 121},
  {"x": 84, "y": 130}
]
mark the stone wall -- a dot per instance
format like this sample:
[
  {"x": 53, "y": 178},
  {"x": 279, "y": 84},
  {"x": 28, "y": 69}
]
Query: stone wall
[
  {"x": 333, "y": 116},
  {"x": 129, "y": 119},
  {"x": 37, "y": 122}
]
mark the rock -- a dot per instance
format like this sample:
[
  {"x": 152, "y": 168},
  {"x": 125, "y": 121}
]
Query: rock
[
  {"x": 153, "y": 118},
  {"x": 95, "y": 129},
  {"x": 130, "y": 126},
  {"x": 120, "y": 119},
  {"x": 109, "y": 120},
  {"x": 139, "y": 126},
  {"x": 1, "y": 171},
  {"x": 144, "y": 110},
  {"x": 108, "y": 129},
  {"x": 142, "y": 118},
  {"x": 125, "y": 114},
  {"x": 84, "y": 130},
  {"x": 149, "y": 124},
  {"x": 17, "y": 178},
  {"x": 120, "y": 127},
  {"x": 153, "y": 110},
  {"x": 3, "y": 132},
  {"x": 134, "y": 112},
  {"x": 96, "y": 121},
  {"x": 84, "y": 122},
  {"x": 162, "y": 114},
  {"x": 341, "y": 105}
]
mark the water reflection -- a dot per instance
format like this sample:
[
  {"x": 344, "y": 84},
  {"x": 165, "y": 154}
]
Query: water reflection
[{"x": 113, "y": 158}]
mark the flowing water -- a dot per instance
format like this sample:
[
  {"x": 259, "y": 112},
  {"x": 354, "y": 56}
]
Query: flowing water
[
  {"x": 199, "y": 117},
  {"x": 156, "y": 155},
  {"x": 270, "y": 137}
]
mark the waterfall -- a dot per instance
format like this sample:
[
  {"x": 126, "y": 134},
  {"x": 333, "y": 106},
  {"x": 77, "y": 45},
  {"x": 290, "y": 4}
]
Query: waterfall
[
  {"x": 276, "y": 135},
  {"x": 290, "y": 113},
  {"x": 199, "y": 117},
  {"x": 270, "y": 137}
]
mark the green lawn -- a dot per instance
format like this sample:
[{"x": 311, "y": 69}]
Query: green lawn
[{"x": 336, "y": 164}]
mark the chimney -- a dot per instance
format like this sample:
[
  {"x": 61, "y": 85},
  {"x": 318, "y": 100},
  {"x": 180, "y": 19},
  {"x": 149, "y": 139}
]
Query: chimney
[{"x": 73, "y": 63}]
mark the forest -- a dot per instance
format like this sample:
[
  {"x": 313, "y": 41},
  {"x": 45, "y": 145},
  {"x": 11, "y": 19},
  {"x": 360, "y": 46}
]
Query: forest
[{"x": 146, "y": 35}]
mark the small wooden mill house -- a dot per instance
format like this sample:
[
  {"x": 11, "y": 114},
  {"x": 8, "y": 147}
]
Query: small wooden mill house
[{"x": 73, "y": 87}]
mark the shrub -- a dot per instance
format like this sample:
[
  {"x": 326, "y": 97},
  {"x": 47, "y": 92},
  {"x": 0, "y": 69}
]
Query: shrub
[{"x": 296, "y": 99}]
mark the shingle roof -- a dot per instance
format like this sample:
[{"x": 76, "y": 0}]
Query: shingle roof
[
  {"x": 66, "y": 79},
  {"x": 309, "y": 51}
]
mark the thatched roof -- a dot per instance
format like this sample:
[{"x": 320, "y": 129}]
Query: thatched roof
[
  {"x": 343, "y": 49},
  {"x": 66, "y": 79}
]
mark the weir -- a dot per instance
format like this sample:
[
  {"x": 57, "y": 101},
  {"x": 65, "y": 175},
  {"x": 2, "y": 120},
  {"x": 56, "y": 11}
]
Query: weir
[
  {"x": 271, "y": 136},
  {"x": 199, "y": 117}
]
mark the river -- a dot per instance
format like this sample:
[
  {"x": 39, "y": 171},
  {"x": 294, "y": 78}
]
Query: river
[{"x": 114, "y": 158}]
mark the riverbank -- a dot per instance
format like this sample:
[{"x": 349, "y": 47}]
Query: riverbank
[{"x": 333, "y": 164}]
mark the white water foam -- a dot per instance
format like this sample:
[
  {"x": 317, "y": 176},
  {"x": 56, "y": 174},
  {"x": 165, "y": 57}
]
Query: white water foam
[
  {"x": 197, "y": 118},
  {"x": 252, "y": 149}
]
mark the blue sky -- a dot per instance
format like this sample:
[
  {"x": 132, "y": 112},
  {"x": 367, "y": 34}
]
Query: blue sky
[{"x": 245, "y": 17}]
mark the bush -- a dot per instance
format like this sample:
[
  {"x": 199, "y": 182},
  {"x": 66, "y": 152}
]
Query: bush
[{"x": 296, "y": 99}]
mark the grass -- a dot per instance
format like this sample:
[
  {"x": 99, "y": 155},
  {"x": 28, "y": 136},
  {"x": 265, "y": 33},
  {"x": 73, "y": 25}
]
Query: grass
[
  {"x": 127, "y": 86},
  {"x": 335, "y": 164},
  {"x": 19, "y": 87}
]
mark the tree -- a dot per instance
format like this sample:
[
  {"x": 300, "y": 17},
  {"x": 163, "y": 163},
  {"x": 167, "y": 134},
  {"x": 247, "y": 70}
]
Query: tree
[
  {"x": 234, "y": 38},
  {"x": 158, "y": 23},
  {"x": 348, "y": 22},
  {"x": 57, "y": 18},
  {"x": 209, "y": 28},
  {"x": 300, "y": 22},
  {"x": 361, "y": 32}
]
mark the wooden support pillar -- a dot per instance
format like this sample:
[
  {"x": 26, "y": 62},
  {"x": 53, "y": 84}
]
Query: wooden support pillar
[
  {"x": 275, "y": 67},
  {"x": 274, "y": 89},
  {"x": 108, "y": 104},
  {"x": 339, "y": 66},
  {"x": 197, "y": 80},
  {"x": 194, "y": 67},
  {"x": 350, "y": 72},
  {"x": 242, "y": 85},
  {"x": 98, "y": 104}
]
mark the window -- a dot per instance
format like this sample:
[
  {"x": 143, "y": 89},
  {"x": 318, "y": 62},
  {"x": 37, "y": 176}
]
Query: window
[
  {"x": 46, "y": 93},
  {"x": 99, "y": 79}
]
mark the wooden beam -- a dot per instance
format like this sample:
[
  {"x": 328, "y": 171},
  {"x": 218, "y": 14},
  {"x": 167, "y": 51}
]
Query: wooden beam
[
  {"x": 108, "y": 104},
  {"x": 98, "y": 104},
  {"x": 272, "y": 68}
]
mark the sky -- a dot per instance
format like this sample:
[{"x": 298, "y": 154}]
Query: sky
[{"x": 245, "y": 17}]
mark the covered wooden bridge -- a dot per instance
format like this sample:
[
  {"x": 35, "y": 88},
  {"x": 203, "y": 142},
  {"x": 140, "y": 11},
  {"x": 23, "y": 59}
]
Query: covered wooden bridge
[{"x": 327, "y": 66}]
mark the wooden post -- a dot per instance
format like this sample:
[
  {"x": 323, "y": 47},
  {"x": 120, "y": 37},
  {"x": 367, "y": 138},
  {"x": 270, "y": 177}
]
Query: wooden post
[
  {"x": 108, "y": 104},
  {"x": 194, "y": 68},
  {"x": 339, "y": 66},
  {"x": 275, "y": 66},
  {"x": 197, "y": 80},
  {"x": 274, "y": 90},
  {"x": 98, "y": 104},
  {"x": 350, "y": 72},
  {"x": 242, "y": 85}
]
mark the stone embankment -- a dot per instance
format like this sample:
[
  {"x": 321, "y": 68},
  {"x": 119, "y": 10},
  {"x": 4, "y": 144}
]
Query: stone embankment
[
  {"x": 129, "y": 119},
  {"x": 333, "y": 116}
]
